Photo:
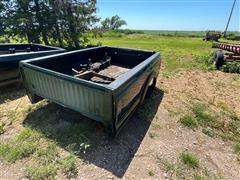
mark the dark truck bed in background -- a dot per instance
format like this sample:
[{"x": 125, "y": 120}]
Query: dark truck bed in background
[
  {"x": 103, "y": 83},
  {"x": 11, "y": 54}
]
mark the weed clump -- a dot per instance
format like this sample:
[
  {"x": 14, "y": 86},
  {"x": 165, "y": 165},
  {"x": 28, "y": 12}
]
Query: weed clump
[
  {"x": 237, "y": 150},
  {"x": 69, "y": 166},
  {"x": 189, "y": 121},
  {"x": 208, "y": 131},
  {"x": 151, "y": 173},
  {"x": 199, "y": 116},
  {"x": 41, "y": 172},
  {"x": 190, "y": 160},
  {"x": 2, "y": 127},
  {"x": 231, "y": 67},
  {"x": 198, "y": 177}
]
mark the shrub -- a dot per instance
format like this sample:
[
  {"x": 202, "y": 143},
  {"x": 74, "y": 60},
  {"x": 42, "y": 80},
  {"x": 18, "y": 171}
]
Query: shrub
[
  {"x": 231, "y": 67},
  {"x": 201, "y": 114}
]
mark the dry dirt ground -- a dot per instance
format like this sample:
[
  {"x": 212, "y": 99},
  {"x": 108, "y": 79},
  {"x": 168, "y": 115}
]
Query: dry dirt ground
[{"x": 151, "y": 137}]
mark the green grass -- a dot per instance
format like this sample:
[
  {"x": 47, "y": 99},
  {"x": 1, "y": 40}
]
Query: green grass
[
  {"x": 231, "y": 67},
  {"x": 187, "y": 166},
  {"x": 237, "y": 148},
  {"x": 213, "y": 123},
  {"x": 168, "y": 166},
  {"x": 190, "y": 160},
  {"x": 41, "y": 172},
  {"x": 201, "y": 114},
  {"x": 69, "y": 166},
  {"x": 43, "y": 160},
  {"x": 41, "y": 149},
  {"x": 12, "y": 115},
  {"x": 199, "y": 34},
  {"x": 198, "y": 177},
  {"x": 208, "y": 131},
  {"x": 2, "y": 127},
  {"x": 46, "y": 162},
  {"x": 21, "y": 146},
  {"x": 189, "y": 121}
]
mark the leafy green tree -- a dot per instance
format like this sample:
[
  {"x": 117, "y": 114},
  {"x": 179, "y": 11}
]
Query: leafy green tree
[
  {"x": 20, "y": 20},
  {"x": 58, "y": 22},
  {"x": 113, "y": 23},
  {"x": 79, "y": 16}
]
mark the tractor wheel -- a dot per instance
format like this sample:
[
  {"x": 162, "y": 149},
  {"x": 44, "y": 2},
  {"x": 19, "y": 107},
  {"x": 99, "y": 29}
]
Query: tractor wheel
[{"x": 218, "y": 59}]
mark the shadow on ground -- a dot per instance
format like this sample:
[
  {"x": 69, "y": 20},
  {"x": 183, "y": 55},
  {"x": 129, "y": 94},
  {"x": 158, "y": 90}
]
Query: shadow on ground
[
  {"x": 74, "y": 132},
  {"x": 11, "y": 92}
]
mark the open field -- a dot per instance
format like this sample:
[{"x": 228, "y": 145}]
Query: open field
[{"x": 189, "y": 128}]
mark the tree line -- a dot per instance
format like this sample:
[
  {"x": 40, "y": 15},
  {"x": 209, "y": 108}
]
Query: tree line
[{"x": 56, "y": 22}]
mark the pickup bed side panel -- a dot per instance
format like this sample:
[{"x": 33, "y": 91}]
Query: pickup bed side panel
[
  {"x": 128, "y": 96},
  {"x": 89, "y": 101}
]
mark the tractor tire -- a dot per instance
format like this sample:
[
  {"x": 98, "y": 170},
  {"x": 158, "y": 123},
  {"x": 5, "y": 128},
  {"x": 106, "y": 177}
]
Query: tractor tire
[{"x": 218, "y": 59}]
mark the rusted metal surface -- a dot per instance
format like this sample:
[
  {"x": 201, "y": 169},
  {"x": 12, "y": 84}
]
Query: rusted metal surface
[
  {"x": 231, "y": 57},
  {"x": 105, "y": 76},
  {"x": 114, "y": 71},
  {"x": 100, "y": 72},
  {"x": 230, "y": 53}
]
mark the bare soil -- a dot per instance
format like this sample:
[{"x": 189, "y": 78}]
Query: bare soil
[{"x": 152, "y": 133}]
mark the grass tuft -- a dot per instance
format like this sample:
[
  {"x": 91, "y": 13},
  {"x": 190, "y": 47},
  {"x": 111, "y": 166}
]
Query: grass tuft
[
  {"x": 200, "y": 117},
  {"x": 41, "y": 172},
  {"x": 2, "y": 127},
  {"x": 189, "y": 121},
  {"x": 13, "y": 115},
  {"x": 198, "y": 177},
  {"x": 169, "y": 167},
  {"x": 190, "y": 160},
  {"x": 69, "y": 166},
  {"x": 208, "y": 131},
  {"x": 152, "y": 134},
  {"x": 201, "y": 114},
  {"x": 48, "y": 153},
  {"x": 237, "y": 149},
  {"x": 151, "y": 173}
]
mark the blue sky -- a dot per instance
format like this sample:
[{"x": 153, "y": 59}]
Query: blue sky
[{"x": 172, "y": 14}]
